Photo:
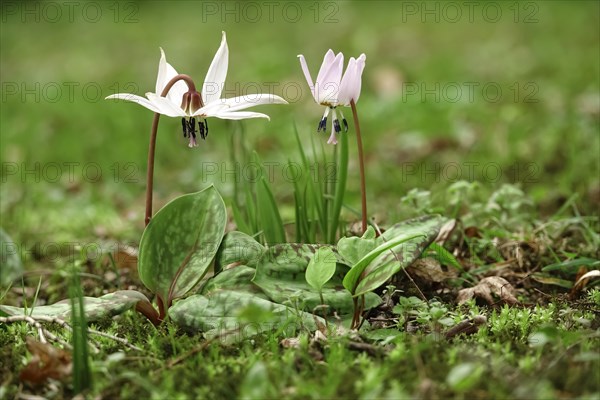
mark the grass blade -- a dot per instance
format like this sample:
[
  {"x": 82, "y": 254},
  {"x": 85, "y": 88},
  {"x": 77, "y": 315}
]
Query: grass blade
[{"x": 270, "y": 219}]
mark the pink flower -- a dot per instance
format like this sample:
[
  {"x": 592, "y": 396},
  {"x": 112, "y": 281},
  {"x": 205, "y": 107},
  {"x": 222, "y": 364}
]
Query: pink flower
[{"x": 331, "y": 89}]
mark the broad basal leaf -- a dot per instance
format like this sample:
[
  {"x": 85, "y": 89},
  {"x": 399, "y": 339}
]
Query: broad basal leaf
[
  {"x": 237, "y": 314},
  {"x": 180, "y": 242},
  {"x": 399, "y": 247},
  {"x": 353, "y": 248},
  {"x": 95, "y": 307},
  {"x": 281, "y": 271},
  {"x": 238, "y": 248},
  {"x": 238, "y": 278}
]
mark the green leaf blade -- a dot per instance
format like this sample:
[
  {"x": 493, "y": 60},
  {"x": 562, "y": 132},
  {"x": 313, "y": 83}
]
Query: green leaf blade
[
  {"x": 180, "y": 242},
  {"x": 321, "y": 268},
  {"x": 400, "y": 246},
  {"x": 271, "y": 222},
  {"x": 281, "y": 272}
]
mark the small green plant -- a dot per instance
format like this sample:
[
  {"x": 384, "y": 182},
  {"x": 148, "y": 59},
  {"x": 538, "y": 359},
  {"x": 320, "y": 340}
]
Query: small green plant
[
  {"x": 320, "y": 270},
  {"x": 593, "y": 296}
]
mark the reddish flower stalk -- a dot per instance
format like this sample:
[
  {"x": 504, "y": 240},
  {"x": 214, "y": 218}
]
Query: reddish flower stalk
[{"x": 152, "y": 146}]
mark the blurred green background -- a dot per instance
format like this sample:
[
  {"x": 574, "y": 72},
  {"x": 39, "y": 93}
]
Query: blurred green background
[{"x": 493, "y": 92}]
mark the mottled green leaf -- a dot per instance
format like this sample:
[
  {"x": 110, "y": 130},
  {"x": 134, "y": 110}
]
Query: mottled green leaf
[
  {"x": 10, "y": 262},
  {"x": 321, "y": 268},
  {"x": 225, "y": 313},
  {"x": 180, "y": 242},
  {"x": 238, "y": 278},
  {"x": 281, "y": 275},
  {"x": 95, "y": 307},
  {"x": 400, "y": 246},
  {"x": 238, "y": 248},
  {"x": 547, "y": 279},
  {"x": 352, "y": 249}
]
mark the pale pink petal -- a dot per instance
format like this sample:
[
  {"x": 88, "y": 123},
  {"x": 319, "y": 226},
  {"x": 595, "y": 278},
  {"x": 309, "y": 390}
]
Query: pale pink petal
[
  {"x": 360, "y": 66},
  {"x": 347, "y": 85},
  {"x": 328, "y": 59},
  {"x": 351, "y": 82},
  {"x": 309, "y": 80},
  {"x": 327, "y": 88}
]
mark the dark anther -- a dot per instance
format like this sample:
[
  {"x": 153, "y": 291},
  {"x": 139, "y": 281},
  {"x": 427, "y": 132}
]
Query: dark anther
[
  {"x": 184, "y": 125},
  {"x": 345, "y": 124},
  {"x": 201, "y": 126},
  {"x": 322, "y": 125},
  {"x": 336, "y": 126}
]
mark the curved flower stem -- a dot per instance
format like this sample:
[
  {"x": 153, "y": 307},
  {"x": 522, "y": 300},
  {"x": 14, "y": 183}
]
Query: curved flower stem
[
  {"x": 361, "y": 160},
  {"x": 340, "y": 186},
  {"x": 152, "y": 146}
]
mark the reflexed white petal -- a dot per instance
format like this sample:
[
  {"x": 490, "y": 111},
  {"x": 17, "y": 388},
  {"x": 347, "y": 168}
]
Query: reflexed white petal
[
  {"x": 161, "y": 79},
  {"x": 307, "y": 75},
  {"x": 328, "y": 87},
  {"x": 217, "y": 72},
  {"x": 165, "y": 106},
  {"x": 239, "y": 115},
  {"x": 134, "y": 98},
  {"x": 327, "y": 61},
  {"x": 166, "y": 72},
  {"x": 250, "y": 100},
  {"x": 177, "y": 91},
  {"x": 210, "y": 109},
  {"x": 239, "y": 103}
]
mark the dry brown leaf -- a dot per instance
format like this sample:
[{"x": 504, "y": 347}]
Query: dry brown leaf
[
  {"x": 430, "y": 270},
  {"x": 582, "y": 281},
  {"x": 472, "y": 232},
  {"x": 445, "y": 232},
  {"x": 126, "y": 257},
  {"x": 290, "y": 343},
  {"x": 47, "y": 362},
  {"x": 467, "y": 326},
  {"x": 492, "y": 285}
]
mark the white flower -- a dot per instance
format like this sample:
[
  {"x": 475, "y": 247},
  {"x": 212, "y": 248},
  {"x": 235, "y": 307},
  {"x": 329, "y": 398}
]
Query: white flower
[
  {"x": 332, "y": 90},
  {"x": 183, "y": 101}
]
